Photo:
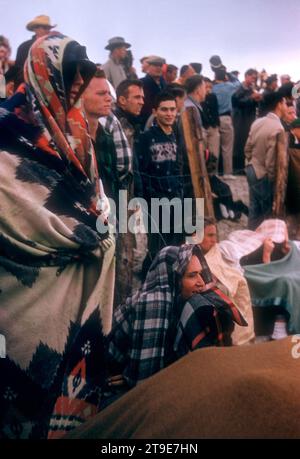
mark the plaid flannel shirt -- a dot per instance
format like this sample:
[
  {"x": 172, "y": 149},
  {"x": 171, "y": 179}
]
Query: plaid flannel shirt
[{"x": 123, "y": 150}]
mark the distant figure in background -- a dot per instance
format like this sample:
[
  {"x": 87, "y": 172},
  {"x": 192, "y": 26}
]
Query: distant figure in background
[
  {"x": 41, "y": 26},
  {"x": 171, "y": 73},
  {"x": 235, "y": 73},
  {"x": 224, "y": 89},
  {"x": 211, "y": 121},
  {"x": 144, "y": 62},
  {"x": 153, "y": 84},
  {"x": 215, "y": 63},
  {"x": 285, "y": 79},
  {"x": 271, "y": 86},
  {"x": 114, "y": 67},
  {"x": 244, "y": 103},
  {"x": 186, "y": 72},
  {"x": 128, "y": 66},
  {"x": 196, "y": 66}
]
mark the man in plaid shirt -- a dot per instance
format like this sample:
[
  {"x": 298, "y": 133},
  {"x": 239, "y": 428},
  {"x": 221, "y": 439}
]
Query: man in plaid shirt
[{"x": 123, "y": 150}]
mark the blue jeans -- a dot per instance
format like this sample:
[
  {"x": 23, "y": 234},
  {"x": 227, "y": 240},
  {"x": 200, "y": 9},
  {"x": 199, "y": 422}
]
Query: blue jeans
[{"x": 261, "y": 195}]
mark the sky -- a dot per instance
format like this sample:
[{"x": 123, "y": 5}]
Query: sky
[{"x": 256, "y": 33}]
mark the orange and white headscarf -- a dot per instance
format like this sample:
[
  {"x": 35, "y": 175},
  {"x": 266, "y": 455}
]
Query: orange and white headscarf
[{"x": 63, "y": 131}]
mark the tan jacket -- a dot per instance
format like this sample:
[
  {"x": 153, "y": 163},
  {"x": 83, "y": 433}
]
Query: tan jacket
[{"x": 266, "y": 137}]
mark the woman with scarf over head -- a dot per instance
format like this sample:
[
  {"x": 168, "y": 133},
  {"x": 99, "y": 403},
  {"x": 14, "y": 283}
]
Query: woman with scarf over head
[
  {"x": 56, "y": 269},
  {"x": 177, "y": 310}
]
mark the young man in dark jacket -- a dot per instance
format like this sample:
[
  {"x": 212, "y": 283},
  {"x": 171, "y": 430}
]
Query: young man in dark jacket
[{"x": 160, "y": 171}]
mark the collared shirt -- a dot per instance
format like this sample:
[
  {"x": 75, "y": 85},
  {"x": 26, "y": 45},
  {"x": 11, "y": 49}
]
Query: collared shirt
[
  {"x": 224, "y": 92},
  {"x": 123, "y": 150}
]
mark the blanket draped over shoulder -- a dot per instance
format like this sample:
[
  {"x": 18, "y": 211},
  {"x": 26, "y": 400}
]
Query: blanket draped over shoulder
[
  {"x": 278, "y": 284},
  {"x": 237, "y": 288},
  {"x": 155, "y": 326},
  {"x": 56, "y": 270}
]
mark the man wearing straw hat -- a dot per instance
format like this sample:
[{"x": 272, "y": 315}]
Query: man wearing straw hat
[{"x": 41, "y": 26}]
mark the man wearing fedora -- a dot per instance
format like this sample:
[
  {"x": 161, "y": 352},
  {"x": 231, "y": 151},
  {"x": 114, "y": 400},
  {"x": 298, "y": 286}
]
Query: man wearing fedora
[
  {"x": 41, "y": 26},
  {"x": 113, "y": 68}
]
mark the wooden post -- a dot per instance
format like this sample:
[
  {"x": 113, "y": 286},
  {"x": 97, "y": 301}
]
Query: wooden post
[
  {"x": 194, "y": 146},
  {"x": 281, "y": 172}
]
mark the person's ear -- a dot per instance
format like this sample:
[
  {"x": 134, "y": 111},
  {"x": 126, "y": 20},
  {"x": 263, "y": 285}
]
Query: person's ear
[{"x": 122, "y": 100}]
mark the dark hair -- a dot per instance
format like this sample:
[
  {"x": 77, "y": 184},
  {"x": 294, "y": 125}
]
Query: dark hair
[
  {"x": 208, "y": 221},
  {"x": 207, "y": 80},
  {"x": 193, "y": 82},
  {"x": 251, "y": 72},
  {"x": 197, "y": 67},
  {"x": 99, "y": 73},
  {"x": 271, "y": 100},
  {"x": 14, "y": 74},
  {"x": 123, "y": 87},
  {"x": 271, "y": 79},
  {"x": 171, "y": 68},
  {"x": 220, "y": 74},
  {"x": 286, "y": 89},
  {"x": 177, "y": 90},
  {"x": 74, "y": 56},
  {"x": 183, "y": 69},
  {"x": 5, "y": 42},
  {"x": 162, "y": 97}
]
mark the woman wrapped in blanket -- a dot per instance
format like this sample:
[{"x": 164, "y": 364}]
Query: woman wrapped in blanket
[
  {"x": 56, "y": 269},
  {"x": 177, "y": 310}
]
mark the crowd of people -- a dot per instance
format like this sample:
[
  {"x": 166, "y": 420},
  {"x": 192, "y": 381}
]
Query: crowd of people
[{"x": 89, "y": 314}]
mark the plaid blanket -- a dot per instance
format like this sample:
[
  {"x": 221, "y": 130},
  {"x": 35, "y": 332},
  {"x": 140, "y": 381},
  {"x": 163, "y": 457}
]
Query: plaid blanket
[
  {"x": 144, "y": 329},
  {"x": 207, "y": 319}
]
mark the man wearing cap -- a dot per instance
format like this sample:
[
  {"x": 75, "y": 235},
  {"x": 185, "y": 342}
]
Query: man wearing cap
[
  {"x": 113, "y": 68},
  {"x": 153, "y": 84},
  {"x": 41, "y": 26}
]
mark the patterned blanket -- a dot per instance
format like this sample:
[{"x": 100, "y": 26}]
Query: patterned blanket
[{"x": 56, "y": 270}]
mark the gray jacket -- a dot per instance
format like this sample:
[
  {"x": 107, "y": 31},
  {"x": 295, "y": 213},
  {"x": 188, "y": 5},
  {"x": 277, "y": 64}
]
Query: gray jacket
[{"x": 114, "y": 72}]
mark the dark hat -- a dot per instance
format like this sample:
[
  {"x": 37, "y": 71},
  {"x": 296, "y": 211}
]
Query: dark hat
[
  {"x": 156, "y": 60},
  {"x": 117, "y": 42},
  {"x": 295, "y": 123},
  {"x": 271, "y": 78},
  {"x": 197, "y": 67},
  {"x": 215, "y": 62}
]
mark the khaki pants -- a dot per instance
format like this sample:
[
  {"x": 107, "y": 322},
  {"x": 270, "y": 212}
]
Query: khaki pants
[
  {"x": 213, "y": 140},
  {"x": 226, "y": 142}
]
